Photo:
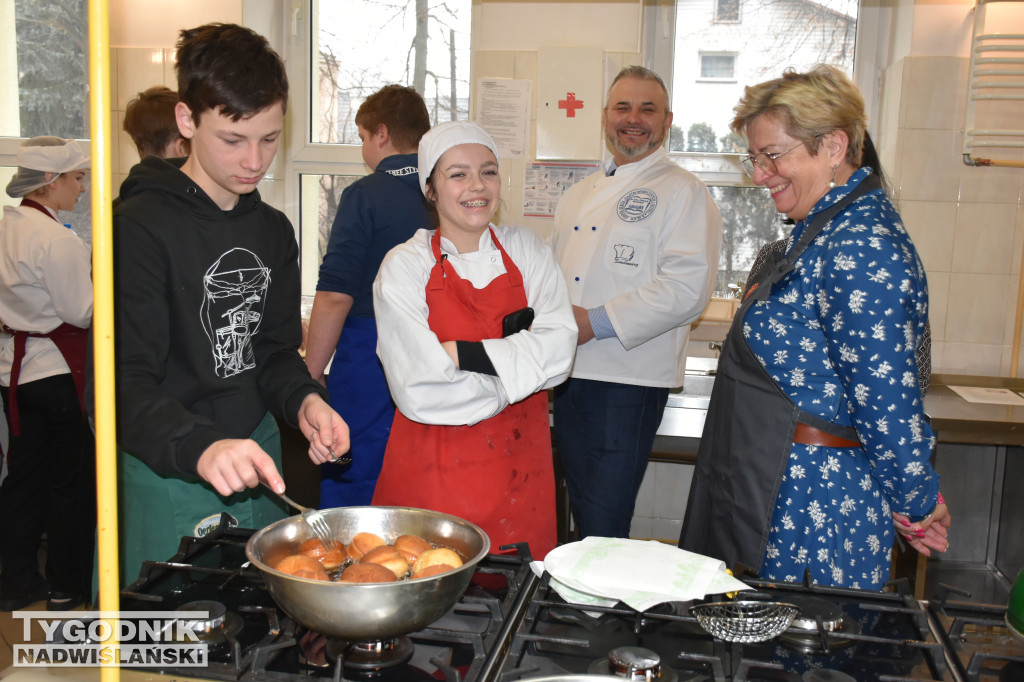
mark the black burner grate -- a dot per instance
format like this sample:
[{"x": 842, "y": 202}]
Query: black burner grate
[{"x": 266, "y": 645}]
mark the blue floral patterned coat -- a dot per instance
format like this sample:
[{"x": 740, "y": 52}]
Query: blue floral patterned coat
[{"x": 839, "y": 335}]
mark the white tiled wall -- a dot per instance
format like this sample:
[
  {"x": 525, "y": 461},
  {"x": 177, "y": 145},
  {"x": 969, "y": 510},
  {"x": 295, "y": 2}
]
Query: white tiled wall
[{"x": 967, "y": 222}]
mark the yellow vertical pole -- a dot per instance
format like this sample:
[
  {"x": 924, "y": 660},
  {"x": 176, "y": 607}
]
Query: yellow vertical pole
[{"x": 103, "y": 310}]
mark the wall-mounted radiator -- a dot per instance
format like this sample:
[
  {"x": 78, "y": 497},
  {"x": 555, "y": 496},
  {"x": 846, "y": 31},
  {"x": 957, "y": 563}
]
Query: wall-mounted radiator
[{"x": 994, "y": 122}]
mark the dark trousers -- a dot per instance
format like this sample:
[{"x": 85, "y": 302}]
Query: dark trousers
[
  {"x": 604, "y": 432},
  {"x": 50, "y": 487}
]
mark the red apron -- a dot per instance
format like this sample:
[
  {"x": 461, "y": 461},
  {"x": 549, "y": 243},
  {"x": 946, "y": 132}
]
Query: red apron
[
  {"x": 498, "y": 473},
  {"x": 69, "y": 339}
]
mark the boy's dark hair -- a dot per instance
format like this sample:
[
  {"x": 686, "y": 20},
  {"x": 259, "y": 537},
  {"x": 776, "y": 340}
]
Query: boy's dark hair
[
  {"x": 149, "y": 119},
  {"x": 401, "y": 109},
  {"x": 231, "y": 68}
]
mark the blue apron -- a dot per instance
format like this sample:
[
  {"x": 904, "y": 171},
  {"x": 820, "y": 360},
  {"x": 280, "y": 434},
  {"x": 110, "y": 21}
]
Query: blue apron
[{"x": 359, "y": 393}]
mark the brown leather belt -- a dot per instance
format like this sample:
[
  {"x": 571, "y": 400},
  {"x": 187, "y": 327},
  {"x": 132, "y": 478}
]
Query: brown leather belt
[{"x": 808, "y": 435}]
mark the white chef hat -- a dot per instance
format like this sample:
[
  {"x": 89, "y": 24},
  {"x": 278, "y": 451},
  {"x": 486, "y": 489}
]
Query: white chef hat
[
  {"x": 442, "y": 137},
  {"x": 41, "y": 159}
]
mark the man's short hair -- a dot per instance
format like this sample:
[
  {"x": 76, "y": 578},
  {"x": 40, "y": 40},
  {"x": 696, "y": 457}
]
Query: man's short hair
[
  {"x": 644, "y": 74},
  {"x": 150, "y": 120},
  {"x": 401, "y": 109},
  {"x": 230, "y": 68}
]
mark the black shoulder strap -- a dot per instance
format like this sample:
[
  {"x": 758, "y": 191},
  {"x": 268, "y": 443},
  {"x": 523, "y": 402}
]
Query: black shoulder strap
[{"x": 784, "y": 266}]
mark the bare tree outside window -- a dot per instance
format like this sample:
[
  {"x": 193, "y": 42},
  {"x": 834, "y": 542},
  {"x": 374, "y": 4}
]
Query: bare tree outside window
[
  {"x": 761, "y": 38},
  {"x": 48, "y": 93},
  {"x": 366, "y": 44},
  {"x": 363, "y": 45}
]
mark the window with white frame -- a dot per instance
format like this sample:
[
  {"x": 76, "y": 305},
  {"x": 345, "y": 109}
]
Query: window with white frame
[
  {"x": 43, "y": 73},
  {"x": 727, "y": 11},
  {"x": 717, "y": 66},
  {"x": 355, "y": 47},
  {"x": 712, "y": 60}
]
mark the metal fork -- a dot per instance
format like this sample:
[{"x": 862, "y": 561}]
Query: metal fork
[{"x": 314, "y": 518}]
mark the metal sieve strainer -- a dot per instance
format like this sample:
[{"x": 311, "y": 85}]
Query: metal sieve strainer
[{"x": 745, "y": 621}]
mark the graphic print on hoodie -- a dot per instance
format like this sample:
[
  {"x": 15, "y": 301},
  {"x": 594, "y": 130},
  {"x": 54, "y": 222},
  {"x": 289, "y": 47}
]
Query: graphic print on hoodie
[{"x": 235, "y": 289}]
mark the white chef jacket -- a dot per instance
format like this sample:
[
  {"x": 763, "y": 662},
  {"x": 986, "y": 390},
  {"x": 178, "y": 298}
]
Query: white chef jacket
[
  {"x": 45, "y": 280},
  {"x": 643, "y": 243},
  {"x": 422, "y": 378}
]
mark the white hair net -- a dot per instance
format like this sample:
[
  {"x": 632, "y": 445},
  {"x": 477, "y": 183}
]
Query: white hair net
[
  {"x": 41, "y": 160},
  {"x": 442, "y": 137}
]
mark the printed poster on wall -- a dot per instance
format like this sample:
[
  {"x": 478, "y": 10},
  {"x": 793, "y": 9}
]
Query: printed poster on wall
[
  {"x": 545, "y": 183},
  {"x": 503, "y": 110}
]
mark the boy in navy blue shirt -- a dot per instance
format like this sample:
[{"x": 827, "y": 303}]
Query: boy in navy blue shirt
[{"x": 376, "y": 213}]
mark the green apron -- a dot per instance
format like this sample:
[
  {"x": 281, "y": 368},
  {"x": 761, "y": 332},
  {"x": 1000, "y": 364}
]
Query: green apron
[{"x": 156, "y": 512}]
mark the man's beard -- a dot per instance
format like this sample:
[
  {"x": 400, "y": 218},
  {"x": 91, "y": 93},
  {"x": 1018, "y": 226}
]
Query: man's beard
[{"x": 634, "y": 150}]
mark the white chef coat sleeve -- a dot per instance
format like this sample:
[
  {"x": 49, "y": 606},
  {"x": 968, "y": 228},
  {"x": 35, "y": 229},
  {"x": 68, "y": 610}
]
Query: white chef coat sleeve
[
  {"x": 423, "y": 380},
  {"x": 68, "y": 275},
  {"x": 541, "y": 357},
  {"x": 689, "y": 241}
]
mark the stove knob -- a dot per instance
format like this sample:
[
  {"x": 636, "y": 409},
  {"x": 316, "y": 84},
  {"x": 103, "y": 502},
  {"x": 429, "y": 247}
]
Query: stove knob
[{"x": 634, "y": 663}]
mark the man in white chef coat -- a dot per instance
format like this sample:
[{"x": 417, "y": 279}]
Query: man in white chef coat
[{"x": 638, "y": 242}]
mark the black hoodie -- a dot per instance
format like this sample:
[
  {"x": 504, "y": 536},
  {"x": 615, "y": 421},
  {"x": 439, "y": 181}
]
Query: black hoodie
[{"x": 208, "y": 324}]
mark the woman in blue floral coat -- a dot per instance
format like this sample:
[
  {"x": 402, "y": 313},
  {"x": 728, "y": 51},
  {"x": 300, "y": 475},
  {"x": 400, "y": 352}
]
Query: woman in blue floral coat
[{"x": 816, "y": 447}]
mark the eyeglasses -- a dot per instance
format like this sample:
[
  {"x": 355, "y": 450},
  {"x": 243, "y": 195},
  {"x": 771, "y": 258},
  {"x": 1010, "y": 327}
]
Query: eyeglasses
[{"x": 764, "y": 160}]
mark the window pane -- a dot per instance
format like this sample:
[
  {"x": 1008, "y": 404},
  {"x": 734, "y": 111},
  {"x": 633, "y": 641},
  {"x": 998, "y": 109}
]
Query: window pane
[
  {"x": 319, "y": 205},
  {"x": 717, "y": 66},
  {"x": 768, "y": 37},
  {"x": 749, "y": 221},
  {"x": 363, "y": 45},
  {"x": 47, "y": 68},
  {"x": 727, "y": 10}
]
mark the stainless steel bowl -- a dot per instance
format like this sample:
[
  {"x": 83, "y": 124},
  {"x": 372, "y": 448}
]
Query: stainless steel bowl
[{"x": 368, "y": 612}]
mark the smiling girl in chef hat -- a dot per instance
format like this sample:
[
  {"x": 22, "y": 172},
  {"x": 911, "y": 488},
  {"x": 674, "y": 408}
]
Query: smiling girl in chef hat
[{"x": 474, "y": 323}]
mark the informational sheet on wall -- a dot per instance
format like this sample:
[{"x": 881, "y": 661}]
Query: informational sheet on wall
[
  {"x": 981, "y": 394},
  {"x": 545, "y": 183},
  {"x": 503, "y": 110}
]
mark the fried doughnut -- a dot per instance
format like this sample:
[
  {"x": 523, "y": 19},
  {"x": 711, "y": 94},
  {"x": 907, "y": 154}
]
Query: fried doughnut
[
  {"x": 302, "y": 566},
  {"x": 361, "y": 544},
  {"x": 367, "y": 573},
  {"x": 316, "y": 549},
  {"x": 411, "y": 546},
  {"x": 436, "y": 569},
  {"x": 439, "y": 555},
  {"x": 334, "y": 559},
  {"x": 389, "y": 557}
]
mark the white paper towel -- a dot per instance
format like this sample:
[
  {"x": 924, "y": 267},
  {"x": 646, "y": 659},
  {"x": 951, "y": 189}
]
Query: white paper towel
[{"x": 642, "y": 573}]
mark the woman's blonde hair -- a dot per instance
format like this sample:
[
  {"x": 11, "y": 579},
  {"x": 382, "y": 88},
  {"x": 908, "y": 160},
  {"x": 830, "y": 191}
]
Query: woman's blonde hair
[{"x": 808, "y": 105}]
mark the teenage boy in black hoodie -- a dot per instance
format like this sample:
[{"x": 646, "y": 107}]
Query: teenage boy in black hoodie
[{"x": 208, "y": 314}]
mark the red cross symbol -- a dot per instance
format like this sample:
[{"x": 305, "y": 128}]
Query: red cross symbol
[{"x": 570, "y": 104}]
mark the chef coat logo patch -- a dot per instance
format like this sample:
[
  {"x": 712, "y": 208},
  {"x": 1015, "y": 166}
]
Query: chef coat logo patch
[
  {"x": 624, "y": 255},
  {"x": 637, "y": 205}
]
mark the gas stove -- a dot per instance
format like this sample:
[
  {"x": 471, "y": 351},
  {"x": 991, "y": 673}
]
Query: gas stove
[
  {"x": 841, "y": 634},
  {"x": 982, "y": 647},
  {"x": 252, "y": 639},
  {"x": 511, "y": 625}
]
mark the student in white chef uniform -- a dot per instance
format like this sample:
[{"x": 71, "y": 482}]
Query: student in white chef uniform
[
  {"x": 638, "y": 242},
  {"x": 474, "y": 323},
  {"x": 45, "y": 313}
]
